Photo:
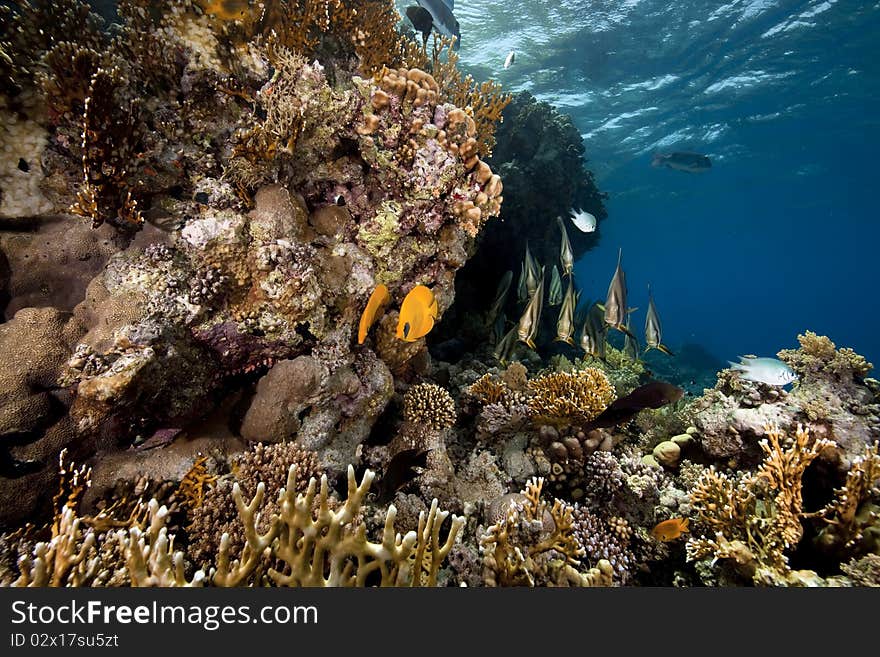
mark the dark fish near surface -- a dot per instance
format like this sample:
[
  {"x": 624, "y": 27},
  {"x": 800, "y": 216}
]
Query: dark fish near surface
[
  {"x": 421, "y": 20},
  {"x": 400, "y": 471},
  {"x": 444, "y": 21},
  {"x": 650, "y": 395},
  {"x": 682, "y": 161}
]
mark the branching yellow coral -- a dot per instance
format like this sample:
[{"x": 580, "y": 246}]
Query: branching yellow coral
[
  {"x": 818, "y": 354},
  {"x": 311, "y": 539},
  {"x": 851, "y": 517},
  {"x": 532, "y": 544},
  {"x": 487, "y": 390},
  {"x": 570, "y": 397},
  {"x": 754, "y": 520},
  {"x": 195, "y": 483},
  {"x": 327, "y": 547}
]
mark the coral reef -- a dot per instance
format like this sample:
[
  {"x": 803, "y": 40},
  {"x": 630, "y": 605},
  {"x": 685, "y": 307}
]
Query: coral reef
[
  {"x": 532, "y": 544},
  {"x": 831, "y": 396},
  {"x": 430, "y": 405},
  {"x": 309, "y": 540},
  {"x": 752, "y": 521},
  {"x": 281, "y": 169},
  {"x": 569, "y": 398},
  {"x": 539, "y": 153}
]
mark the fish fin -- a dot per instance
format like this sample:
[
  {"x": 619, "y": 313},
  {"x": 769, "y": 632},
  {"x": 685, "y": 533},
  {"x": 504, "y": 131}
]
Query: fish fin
[
  {"x": 666, "y": 350},
  {"x": 601, "y": 306},
  {"x": 625, "y": 330},
  {"x": 685, "y": 525},
  {"x": 631, "y": 310}
]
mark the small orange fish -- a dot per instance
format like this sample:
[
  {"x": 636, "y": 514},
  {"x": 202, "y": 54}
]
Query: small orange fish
[
  {"x": 227, "y": 10},
  {"x": 378, "y": 300},
  {"x": 671, "y": 529},
  {"x": 417, "y": 314}
]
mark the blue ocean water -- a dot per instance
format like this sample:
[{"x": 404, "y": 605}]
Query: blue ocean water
[{"x": 782, "y": 234}]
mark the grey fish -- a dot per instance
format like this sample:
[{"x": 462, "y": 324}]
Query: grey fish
[
  {"x": 566, "y": 255},
  {"x": 615, "y": 302},
  {"x": 504, "y": 349},
  {"x": 765, "y": 370},
  {"x": 630, "y": 344},
  {"x": 653, "y": 332},
  {"x": 500, "y": 295},
  {"x": 682, "y": 161},
  {"x": 444, "y": 21},
  {"x": 554, "y": 296},
  {"x": 565, "y": 323},
  {"x": 593, "y": 332},
  {"x": 527, "y": 329}
]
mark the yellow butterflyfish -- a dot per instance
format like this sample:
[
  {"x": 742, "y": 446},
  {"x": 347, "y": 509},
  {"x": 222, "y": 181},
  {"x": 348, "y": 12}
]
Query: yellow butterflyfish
[
  {"x": 378, "y": 300},
  {"x": 417, "y": 314}
]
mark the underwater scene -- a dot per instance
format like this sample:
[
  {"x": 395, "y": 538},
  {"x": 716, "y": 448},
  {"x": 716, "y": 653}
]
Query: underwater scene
[{"x": 437, "y": 293}]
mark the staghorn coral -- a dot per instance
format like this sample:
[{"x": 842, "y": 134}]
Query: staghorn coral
[
  {"x": 754, "y": 520},
  {"x": 430, "y": 405},
  {"x": 532, "y": 544},
  {"x": 563, "y": 398}
]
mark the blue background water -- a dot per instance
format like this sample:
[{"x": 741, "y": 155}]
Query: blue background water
[{"x": 782, "y": 234}]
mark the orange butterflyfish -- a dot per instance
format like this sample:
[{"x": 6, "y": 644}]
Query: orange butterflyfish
[
  {"x": 417, "y": 314},
  {"x": 378, "y": 300},
  {"x": 669, "y": 530}
]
